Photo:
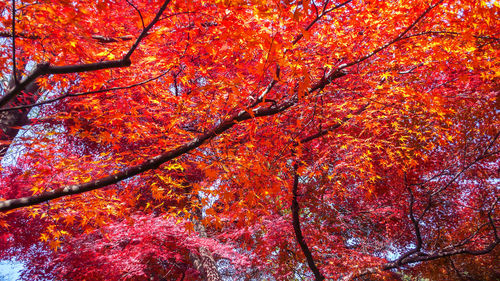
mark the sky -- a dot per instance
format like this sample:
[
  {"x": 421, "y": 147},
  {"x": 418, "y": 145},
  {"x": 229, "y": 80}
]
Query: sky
[{"x": 9, "y": 270}]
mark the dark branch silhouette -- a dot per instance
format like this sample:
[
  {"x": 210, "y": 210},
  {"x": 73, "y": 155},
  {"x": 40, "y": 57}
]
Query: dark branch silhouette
[
  {"x": 417, "y": 254},
  {"x": 7, "y": 34},
  {"x": 295, "y": 208},
  {"x": 68, "y": 95},
  {"x": 296, "y": 227}
]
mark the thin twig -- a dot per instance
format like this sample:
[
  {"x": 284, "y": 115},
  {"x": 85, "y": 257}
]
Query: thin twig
[
  {"x": 318, "y": 17},
  {"x": 14, "y": 67},
  {"x": 145, "y": 31},
  {"x": 138, "y": 11},
  {"x": 398, "y": 38},
  {"x": 84, "y": 93}
]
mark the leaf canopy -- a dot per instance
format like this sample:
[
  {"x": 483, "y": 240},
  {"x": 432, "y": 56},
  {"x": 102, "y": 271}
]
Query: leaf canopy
[{"x": 278, "y": 140}]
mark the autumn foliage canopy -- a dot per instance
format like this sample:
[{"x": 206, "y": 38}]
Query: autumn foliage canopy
[{"x": 250, "y": 139}]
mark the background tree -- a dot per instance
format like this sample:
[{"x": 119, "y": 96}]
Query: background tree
[{"x": 180, "y": 140}]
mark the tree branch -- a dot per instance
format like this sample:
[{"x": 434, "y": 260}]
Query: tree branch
[
  {"x": 7, "y": 34},
  {"x": 14, "y": 67},
  {"x": 416, "y": 226},
  {"x": 318, "y": 17},
  {"x": 490, "y": 219},
  {"x": 99, "y": 38},
  {"x": 296, "y": 227},
  {"x": 47, "y": 69},
  {"x": 150, "y": 164},
  {"x": 105, "y": 39},
  {"x": 39, "y": 70},
  {"x": 421, "y": 257},
  {"x": 138, "y": 11},
  {"x": 398, "y": 38},
  {"x": 295, "y": 204},
  {"x": 83, "y": 94},
  {"x": 146, "y": 30}
]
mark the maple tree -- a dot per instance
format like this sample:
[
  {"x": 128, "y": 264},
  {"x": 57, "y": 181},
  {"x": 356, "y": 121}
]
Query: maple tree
[{"x": 250, "y": 140}]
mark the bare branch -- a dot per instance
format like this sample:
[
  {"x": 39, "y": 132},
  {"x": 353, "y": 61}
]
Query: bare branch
[
  {"x": 84, "y": 93},
  {"x": 105, "y": 39},
  {"x": 318, "y": 17},
  {"x": 296, "y": 227},
  {"x": 7, "y": 34},
  {"x": 14, "y": 67},
  {"x": 146, "y": 30},
  {"x": 421, "y": 257},
  {"x": 325, "y": 11},
  {"x": 138, "y": 11}
]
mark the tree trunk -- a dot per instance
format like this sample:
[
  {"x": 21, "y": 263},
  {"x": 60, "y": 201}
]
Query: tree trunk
[
  {"x": 11, "y": 121},
  {"x": 204, "y": 261}
]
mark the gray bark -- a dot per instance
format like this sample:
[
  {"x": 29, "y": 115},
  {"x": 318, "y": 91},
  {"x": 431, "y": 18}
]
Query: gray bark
[
  {"x": 10, "y": 121},
  {"x": 204, "y": 261}
]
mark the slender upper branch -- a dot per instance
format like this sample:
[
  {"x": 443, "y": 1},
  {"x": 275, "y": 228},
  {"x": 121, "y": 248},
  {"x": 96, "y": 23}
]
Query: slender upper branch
[
  {"x": 318, "y": 17},
  {"x": 67, "y": 95},
  {"x": 145, "y": 31},
  {"x": 398, "y": 38},
  {"x": 14, "y": 67},
  {"x": 138, "y": 11}
]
